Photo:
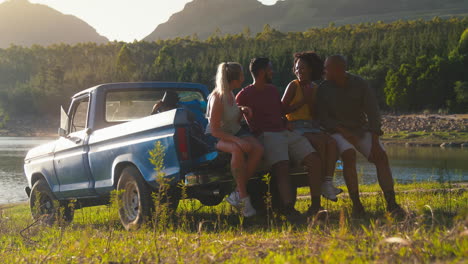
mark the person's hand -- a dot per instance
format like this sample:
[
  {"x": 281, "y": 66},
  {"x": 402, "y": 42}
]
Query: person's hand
[
  {"x": 376, "y": 153},
  {"x": 243, "y": 145},
  {"x": 299, "y": 104},
  {"x": 247, "y": 111}
]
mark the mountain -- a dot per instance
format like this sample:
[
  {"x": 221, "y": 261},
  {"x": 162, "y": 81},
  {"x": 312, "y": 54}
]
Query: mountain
[
  {"x": 24, "y": 23},
  {"x": 204, "y": 17}
]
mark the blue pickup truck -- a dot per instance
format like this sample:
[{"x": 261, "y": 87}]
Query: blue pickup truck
[{"x": 106, "y": 138}]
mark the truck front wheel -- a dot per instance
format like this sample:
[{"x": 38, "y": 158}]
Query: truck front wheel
[
  {"x": 45, "y": 207},
  {"x": 135, "y": 199}
]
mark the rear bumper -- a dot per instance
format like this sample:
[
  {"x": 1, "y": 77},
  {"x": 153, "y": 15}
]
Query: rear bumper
[{"x": 203, "y": 178}]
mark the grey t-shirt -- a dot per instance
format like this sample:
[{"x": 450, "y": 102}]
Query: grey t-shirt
[{"x": 354, "y": 106}]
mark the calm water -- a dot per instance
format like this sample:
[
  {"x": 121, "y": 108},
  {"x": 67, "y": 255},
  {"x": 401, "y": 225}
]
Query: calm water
[{"x": 408, "y": 164}]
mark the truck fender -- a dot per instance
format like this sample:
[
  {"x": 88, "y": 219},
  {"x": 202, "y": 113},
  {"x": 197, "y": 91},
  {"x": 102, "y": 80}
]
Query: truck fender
[
  {"x": 120, "y": 162},
  {"x": 42, "y": 174}
]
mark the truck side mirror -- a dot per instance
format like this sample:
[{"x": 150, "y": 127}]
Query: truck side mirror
[
  {"x": 62, "y": 132},
  {"x": 64, "y": 121}
]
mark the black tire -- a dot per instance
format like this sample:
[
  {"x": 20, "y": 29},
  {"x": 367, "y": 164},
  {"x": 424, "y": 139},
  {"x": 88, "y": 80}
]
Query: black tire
[
  {"x": 257, "y": 190},
  {"x": 172, "y": 198},
  {"x": 211, "y": 200},
  {"x": 135, "y": 201},
  {"x": 46, "y": 207}
]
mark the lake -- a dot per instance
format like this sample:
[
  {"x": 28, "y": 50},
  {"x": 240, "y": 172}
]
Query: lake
[{"x": 408, "y": 164}]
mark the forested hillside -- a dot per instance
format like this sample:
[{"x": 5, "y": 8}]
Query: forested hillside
[
  {"x": 203, "y": 17},
  {"x": 26, "y": 24},
  {"x": 413, "y": 66}
]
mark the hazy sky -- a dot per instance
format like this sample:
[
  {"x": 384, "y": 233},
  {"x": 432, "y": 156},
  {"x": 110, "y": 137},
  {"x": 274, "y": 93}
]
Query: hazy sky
[{"x": 125, "y": 20}]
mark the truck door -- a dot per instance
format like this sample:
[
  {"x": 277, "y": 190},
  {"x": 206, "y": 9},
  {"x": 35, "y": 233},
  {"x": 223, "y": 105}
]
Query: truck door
[{"x": 71, "y": 153}]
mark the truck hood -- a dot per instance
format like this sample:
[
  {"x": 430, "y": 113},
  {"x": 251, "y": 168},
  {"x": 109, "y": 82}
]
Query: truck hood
[{"x": 42, "y": 150}]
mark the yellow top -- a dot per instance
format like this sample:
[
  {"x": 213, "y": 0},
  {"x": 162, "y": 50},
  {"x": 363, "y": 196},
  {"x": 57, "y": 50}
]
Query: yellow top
[{"x": 303, "y": 113}]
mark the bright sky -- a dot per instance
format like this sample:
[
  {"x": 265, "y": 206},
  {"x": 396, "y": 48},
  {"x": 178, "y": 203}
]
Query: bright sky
[{"x": 124, "y": 20}]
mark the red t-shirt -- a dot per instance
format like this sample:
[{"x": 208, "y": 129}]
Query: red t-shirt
[{"x": 266, "y": 107}]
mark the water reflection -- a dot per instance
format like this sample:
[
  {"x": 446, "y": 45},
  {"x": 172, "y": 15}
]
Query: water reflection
[
  {"x": 12, "y": 180},
  {"x": 411, "y": 164},
  {"x": 408, "y": 164}
]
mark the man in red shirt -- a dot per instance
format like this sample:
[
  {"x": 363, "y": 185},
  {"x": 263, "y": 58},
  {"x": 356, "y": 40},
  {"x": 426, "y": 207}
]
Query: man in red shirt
[{"x": 282, "y": 146}]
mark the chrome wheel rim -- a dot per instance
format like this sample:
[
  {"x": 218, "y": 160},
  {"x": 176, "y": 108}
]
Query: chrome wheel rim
[{"x": 131, "y": 201}]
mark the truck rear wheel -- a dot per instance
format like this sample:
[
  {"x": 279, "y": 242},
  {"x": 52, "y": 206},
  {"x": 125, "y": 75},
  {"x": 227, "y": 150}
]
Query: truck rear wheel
[
  {"x": 135, "y": 199},
  {"x": 46, "y": 207}
]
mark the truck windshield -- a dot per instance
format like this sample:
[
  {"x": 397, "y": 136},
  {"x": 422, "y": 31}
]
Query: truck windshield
[{"x": 122, "y": 106}]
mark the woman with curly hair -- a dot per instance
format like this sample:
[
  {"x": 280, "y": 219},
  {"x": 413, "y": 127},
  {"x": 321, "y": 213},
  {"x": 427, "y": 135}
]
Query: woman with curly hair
[{"x": 300, "y": 103}]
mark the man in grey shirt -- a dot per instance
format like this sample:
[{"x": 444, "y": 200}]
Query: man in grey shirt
[{"x": 348, "y": 110}]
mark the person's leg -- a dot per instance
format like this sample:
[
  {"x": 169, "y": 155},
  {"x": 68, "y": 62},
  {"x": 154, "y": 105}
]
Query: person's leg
[
  {"x": 348, "y": 156},
  {"x": 238, "y": 165},
  {"x": 277, "y": 156},
  {"x": 241, "y": 198},
  {"x": 254, "y": 156},
  {"x": 350, "y": 175},
  {"x": 384, "y": 173},
  {"x": 302, "y": 152},
  {"x": 319, "y": 142},
  {"x": 349, "y": 170},
  {"x": 314, "y": 164},
  {"x": 280, "y": 171},
  {"x": 331, "y": 157}
]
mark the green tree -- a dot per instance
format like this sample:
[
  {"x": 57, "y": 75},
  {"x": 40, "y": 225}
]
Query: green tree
[{"x": 125, "y": 65}]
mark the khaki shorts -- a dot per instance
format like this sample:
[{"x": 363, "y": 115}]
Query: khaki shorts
[
  {"x": 364, "y": 144},
  {"x": 285, "y": 146}
]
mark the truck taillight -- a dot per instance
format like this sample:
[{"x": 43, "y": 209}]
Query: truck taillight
[{"x": 182, "y": 145}]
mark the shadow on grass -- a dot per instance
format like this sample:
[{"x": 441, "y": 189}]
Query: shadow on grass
[{"x": 213, "y": 220}]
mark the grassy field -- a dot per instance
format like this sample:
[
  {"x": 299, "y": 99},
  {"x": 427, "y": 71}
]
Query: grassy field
[
  {"x": 435, "y": 231},
  {"x": 426, "y": 137}
]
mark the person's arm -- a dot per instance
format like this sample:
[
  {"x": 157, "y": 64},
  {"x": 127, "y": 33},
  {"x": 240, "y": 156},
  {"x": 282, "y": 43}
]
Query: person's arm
[
  {"x": 246, "y": 110},
  {"x": 372, "y": 111},
  {"x": 288, "y": 97},
  {"x": 156, "y": 108}
]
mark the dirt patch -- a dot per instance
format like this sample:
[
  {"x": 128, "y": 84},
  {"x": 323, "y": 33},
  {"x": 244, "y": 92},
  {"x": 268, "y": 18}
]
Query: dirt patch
[{"x": 425, "y": 123}]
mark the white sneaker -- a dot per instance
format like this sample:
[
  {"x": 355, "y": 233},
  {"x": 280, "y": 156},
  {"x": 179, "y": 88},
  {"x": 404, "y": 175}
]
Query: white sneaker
[
  {"x": 234, "y": 199},
  {"x": 247, "y": 208},
  {"x": 328, "y": 191}
]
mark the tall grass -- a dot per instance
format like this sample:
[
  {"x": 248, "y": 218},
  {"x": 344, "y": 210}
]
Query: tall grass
[{"x": 435, "y": 231}]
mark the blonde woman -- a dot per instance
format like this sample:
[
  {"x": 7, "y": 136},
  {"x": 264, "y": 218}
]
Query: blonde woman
[{"x": 224, "y": 117}]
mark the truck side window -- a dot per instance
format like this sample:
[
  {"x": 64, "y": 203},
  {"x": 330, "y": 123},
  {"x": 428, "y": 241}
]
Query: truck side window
[{"x": 80, "y": 115}]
